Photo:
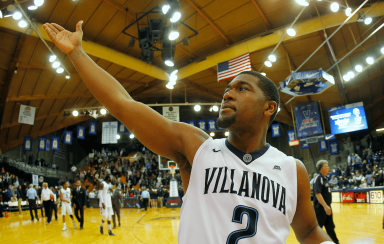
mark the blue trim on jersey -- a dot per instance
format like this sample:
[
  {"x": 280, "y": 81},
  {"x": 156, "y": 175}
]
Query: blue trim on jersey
[{"x": 240, "y": 154}]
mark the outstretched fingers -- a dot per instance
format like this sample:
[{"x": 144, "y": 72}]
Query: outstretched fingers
[
  {"x": 58, "y": 27},
  {"x": 49, "y": 31}
]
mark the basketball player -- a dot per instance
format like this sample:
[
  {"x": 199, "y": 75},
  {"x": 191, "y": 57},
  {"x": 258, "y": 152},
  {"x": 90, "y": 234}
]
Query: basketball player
[
  {"x": 65, "y": 197},
  {"x": 223, "y": 179},
  {"x": 105, "y": 197}
]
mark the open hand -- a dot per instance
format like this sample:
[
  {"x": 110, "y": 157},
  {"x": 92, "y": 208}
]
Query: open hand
[{"x": 63, "y": 39}]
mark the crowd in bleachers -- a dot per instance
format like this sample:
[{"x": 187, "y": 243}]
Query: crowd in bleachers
[{"x": 363, "y": 169}]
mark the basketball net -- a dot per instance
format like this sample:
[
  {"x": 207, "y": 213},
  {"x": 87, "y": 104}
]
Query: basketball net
[{"x": 172, "y": 169}]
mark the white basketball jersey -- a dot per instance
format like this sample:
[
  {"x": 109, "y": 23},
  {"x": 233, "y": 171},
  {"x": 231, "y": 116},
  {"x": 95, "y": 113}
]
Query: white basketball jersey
[
  {"x": 107, "y": 195},
  {"x": 66, "y": 195},
  {"x": 234, "y": 196}
]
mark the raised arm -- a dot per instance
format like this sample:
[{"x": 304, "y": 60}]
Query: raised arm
[
  {"x": 304, "y": 223},
  {"x": 170, "y": 139}
]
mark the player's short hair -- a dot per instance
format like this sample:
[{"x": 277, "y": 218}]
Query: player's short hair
[
  {"x": 107, "y": 177},
  {"x": 269, "y": 89},
  {"x": 320, "y": 164}
]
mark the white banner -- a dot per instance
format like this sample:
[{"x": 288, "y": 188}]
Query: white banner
[
  {"x": 35, "y": 180},
  {"x": 171, "y": 113},
  {"x": 27, "y": 114},
  {"x": 109, "y": 133}
]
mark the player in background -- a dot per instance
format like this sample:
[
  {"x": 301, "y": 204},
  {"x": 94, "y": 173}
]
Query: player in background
[
  {"x": 105, "y": 197},
  {"x": 65, "y": 197}
]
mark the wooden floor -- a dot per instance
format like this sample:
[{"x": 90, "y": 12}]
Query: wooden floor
[{"x": 355, "y": 223}]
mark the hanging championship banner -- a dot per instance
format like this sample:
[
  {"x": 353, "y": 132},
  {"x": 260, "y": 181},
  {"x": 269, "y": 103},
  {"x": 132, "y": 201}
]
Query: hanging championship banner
[
  {"x": 276, "y": 130},
  {"x": 92, "y": 128},
  {"x": 121, "y": 129},
  {"x": 171, "y": 113},
  {"x": 307, "y": 118},
  {"x": 323, "y": 146},
  {"x": 35, "y": 180},
  {"x": 55, "y": 143},
  {"x": 42, "y": 143},
  {"x": 305, "y": 146},
  {"x": 68, "y": 137},
  {"x": 80, "y": 132},
  {"x": 202, "y": 124},
  {"x": 27, "y": 115},
  {"x": 291, "y": 135},
  {"x": 212, "y": 124},
  {"x": 334, "y": 147},
  {"x": 28, "y": 143},
  {"x": 191, "y": 122}
]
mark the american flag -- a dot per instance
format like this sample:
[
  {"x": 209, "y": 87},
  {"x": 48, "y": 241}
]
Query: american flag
[{"x": 232, "y": 67}]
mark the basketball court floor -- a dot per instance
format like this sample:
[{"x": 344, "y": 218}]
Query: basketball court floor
[{"x": 355, "y": 223}]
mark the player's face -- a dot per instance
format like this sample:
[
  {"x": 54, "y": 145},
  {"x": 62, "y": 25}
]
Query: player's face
[
  {"x": 242, "y": 103},
  {"x": 65, "y": 185}
]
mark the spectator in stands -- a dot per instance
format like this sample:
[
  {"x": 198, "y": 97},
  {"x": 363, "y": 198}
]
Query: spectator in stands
[
  {"x": 358, "y": 178},
  {"x": 334, "y": 182},
  {"x": 17, "y": 181},
  {"x": 53, "y": 166},
  {"x": 1, "y": 184},
  {"x": 337, "y": 171},
  {"x": 25, "y": 157},
  {"x": 358, "y": 159},
  {"x": 364, "y": 184},
  {"x": 347, "y": 169},
  {"x": 368, "y": 169},
  {"x": 10, "y": 192},
  {"x": 73, "y": 169},
  {"x": 373, "y": 184}
]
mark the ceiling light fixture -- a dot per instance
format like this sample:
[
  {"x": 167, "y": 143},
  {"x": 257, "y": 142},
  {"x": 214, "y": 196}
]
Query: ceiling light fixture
[
  {"x": 215, "y": 108},
  {"x": 55, "y": 64},
  {"x": 197, "y": 108},
  {"x": 38, "y": 3},
  {"x": 32, "y": 7},
  {"x": 75, "y": 113},
  {"x": 103, "y": 111},
  {"x": 335, "y": 7},
  {"x": 370, "y": 60},
  {"x": 22, "y": 23},
  {"x": 173, "y": 35},
  {"x": 17, "y": 15},
  {"x": 268, "y": 63},
  {"x": 358, "y": 68},
  {"x": 272, "y": 58},
  {"x": 291, "y": 32},
  {"x": 212, "y": 134},
  {"x": 367, "y": 21},
  {"x": 348, "y": 12},
  {"x": 60, "y": 70}
]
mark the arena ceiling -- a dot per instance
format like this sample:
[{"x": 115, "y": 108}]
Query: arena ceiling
[{"x": 223, "y": 26}]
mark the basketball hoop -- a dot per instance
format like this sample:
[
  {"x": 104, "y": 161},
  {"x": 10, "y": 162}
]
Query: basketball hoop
[{"x": 172, "y": 169}]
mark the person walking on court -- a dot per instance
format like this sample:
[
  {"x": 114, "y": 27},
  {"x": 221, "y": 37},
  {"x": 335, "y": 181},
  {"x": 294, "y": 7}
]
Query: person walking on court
[
  {"x": 46, "y": 201},
  {"x": 145, "y": 196},
  {"x": 116, "y": 205},
  {"x": 239, "y": 175},
  {"x": 65, "y": 197},
  {"x": 105, "y": 203},
  {"x": 322, "y": 200},
  {"x": 32, "y": 199},
  {"x": 79, "y": 202},
  {"x": 54, "y": 203}
]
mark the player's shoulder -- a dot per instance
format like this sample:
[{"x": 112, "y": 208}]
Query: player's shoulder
[{"x": 274, "y": 152}]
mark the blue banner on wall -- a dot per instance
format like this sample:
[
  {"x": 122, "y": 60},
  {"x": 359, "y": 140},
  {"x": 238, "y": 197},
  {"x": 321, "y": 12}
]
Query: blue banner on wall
[
  {"x": 212, "y": 124},
  {"x": 121, "y": 129},
  {"x": 305, "y": 146},
  {"x": 334, "y": 147},
  {"x": 68, "y": 137},
  {"x": 80, "y": 132},
  {"x": 42, "y": 143},
  {"x": 276, "y": 130},
  {"x": 323, "y": 146},
  {"x": 191, "y": 122},
  {"x": 92, "y": 128},
  {"x": 28, "y": 143},
  {"x": 348, "y": 118},
  {"x": 202, "y": 124},
  {"x": 307, "y": 118},
  {"x": 55, "y": 145},
  {"x": 291, "y": 135}
]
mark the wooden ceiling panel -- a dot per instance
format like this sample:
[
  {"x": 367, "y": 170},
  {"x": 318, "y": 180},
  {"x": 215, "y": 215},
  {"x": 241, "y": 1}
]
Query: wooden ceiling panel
[
  {"x": 30, "y": 80},
  {"x": 48, "y": 123},
  {"x": 24, "y": 131},
  {"x": 83, "y": 101},
  {"x": 45, "y": 107},
  {"x": 44, "y": 82},
  {"x": 219, "y": 8},
  {"x": 246, "y": 30},
  {"x": 57, "y": 85},
  {"x": 5, "y": 59},
  {"x": 28, "y": 49},
  {"x": 283, "y": 13},
  {"x": 104, "y": 64},
  {"x": 3, "y": 136},
  {"x": 137, "y": 76},
  {"x": 13, "y": 133},
  {"x": 113, "y": 29},
  {"x": 98, "y": 21},
  {"x": 83, "y": 11},
  {"x": 114, "y": 69},
  {"x": 58, "y": 15},
  {"x": 81, "y": 89},
  {"x": 8, "y": 42},
  {"x": 71, "y": 85},
  {"x": 45, "y": 11}
]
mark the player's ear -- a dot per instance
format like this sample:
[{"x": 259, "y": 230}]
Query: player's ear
[{"x": 269, "y": 108}]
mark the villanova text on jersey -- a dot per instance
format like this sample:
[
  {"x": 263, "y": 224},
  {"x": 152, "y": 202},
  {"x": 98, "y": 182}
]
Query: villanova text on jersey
[{"x": 252, "y": 184}]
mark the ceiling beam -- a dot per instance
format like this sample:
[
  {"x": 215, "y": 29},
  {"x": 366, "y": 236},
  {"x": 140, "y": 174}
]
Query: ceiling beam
[
  {"x": 266, "y": 21},
  {"x": 19, "y": 141},
  {"x": 43, "y": 97},
  {"x": 209, "y": 21},
  {"x": 378, "y": 100},
  {"x": 142, "y": 89}
]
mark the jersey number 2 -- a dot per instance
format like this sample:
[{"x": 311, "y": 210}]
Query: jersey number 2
[{"x": 253, "y": 216}]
